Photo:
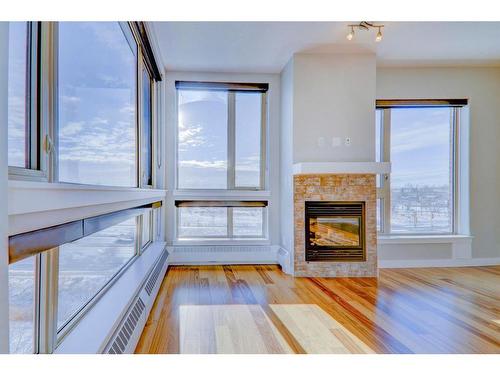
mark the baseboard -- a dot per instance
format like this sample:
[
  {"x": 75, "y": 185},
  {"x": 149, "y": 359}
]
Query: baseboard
[
  {"x": 284, "y": 261},
  {"x": 205, "y": 255},
  {"x": 421, "y": 263}
]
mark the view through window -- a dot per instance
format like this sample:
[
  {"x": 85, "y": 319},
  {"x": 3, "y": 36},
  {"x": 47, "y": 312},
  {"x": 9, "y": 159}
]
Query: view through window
[
  {"x": 220, "y": 144},
  {"x": 422, "y": 176},
  {"x": 22, "y": 305},
  {"x": 18, "y": 89},
  {"x": 97, "y": 104},
  {"x": 88, "y": 264}
]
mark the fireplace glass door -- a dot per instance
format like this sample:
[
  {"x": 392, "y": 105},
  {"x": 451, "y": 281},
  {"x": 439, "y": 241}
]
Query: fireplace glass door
[{"x": 334, "y": 231}]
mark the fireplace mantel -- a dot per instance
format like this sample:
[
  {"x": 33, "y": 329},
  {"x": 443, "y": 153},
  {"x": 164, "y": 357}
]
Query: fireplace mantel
[{"x": 341, "y": 167}]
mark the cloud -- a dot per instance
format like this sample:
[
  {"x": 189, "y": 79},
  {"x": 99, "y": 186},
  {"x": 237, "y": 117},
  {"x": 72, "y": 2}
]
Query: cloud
[{"x": 215, "y": 164}]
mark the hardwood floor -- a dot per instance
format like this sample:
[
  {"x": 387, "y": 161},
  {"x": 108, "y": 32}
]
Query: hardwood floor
[{"x": 259, "y": 309}]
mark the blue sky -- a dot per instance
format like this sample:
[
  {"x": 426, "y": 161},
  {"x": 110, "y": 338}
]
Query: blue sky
[
  {"x": 420, "y": 146},
  {"x": 202, "y": 136},
  {"x": 97, "y": 140}
]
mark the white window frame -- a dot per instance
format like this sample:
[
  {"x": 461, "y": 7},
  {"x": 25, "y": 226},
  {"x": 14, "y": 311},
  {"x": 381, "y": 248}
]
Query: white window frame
[{"x": 384, "y": 191}]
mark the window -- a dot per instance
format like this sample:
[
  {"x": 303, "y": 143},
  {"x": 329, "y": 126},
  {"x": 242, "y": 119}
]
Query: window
[
  {"x": 221, "y": 219},
  {"x": 220, "y": 140},
  {"x": 21, "y": 118},
  {"x": 419, "y": 140},
  {"x": 97, "y": 104},
  {"x": 22, "y": 306},
  {"x": 87, "y": 265},
  {"x": 147, "y": 129}
]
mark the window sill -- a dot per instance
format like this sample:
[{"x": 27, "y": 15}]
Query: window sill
[
  {"x": 32, "y": 203},
  {"x": 394, "y": 239},
  {"x": 221, "y": 242}
]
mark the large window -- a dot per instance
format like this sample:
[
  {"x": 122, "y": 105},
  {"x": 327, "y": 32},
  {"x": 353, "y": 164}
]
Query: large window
[
  {"x": 419, "y": 140},
  {"x": 220, "y": 142},
  {"x": 71, "y": 277},
  {"x": 88, "y": 264},
  {"x": 97, "y": 104}
]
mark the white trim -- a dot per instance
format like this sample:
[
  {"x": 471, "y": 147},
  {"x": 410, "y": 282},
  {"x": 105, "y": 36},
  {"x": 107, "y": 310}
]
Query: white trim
[
  {"x": 200, "y": 255},
  {"x": 342, "y": 167},
  {"x": 95, "y": 329},
  {"x": 422, "y": 263},
  {"x": 421, "y": 239}
]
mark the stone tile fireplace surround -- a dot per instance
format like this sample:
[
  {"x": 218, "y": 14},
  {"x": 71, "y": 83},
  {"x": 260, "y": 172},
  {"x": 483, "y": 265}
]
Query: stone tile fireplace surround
[{"x": 335, "y": 187}]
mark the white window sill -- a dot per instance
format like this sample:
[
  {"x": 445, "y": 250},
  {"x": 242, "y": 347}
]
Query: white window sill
[
  {"x": 221, "y": 242},
  {"x": 31, "y": 204},
  {"x": 394, "y": 239}
]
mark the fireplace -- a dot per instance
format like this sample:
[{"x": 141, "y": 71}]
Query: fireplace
[{"x": 335, "y": 231}]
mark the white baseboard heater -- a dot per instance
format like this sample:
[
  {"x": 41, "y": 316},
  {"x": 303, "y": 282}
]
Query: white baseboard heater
[{"x": 126, "y": 336}]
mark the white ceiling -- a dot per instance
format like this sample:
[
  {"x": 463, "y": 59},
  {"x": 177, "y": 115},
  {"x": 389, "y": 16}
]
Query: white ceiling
[{"x": 265, "y": 47}]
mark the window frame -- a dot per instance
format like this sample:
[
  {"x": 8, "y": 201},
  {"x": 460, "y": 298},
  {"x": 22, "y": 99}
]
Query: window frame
[
  {"x": 44, "y": 105},
  {"x": 231, "y": 140},
  {"x": 384, "y": 191},
  {"x": 39, "y": 143}
]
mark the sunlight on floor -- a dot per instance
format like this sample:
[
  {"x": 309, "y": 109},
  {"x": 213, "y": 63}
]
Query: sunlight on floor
[
  {"x": 227, "y": 329},
  {"x": 316, "y": 331},
  {"x": 247, "y": 329}
]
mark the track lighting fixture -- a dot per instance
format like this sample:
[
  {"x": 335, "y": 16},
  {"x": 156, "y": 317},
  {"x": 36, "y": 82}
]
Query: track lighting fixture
[{"x": 363, "y": 25}]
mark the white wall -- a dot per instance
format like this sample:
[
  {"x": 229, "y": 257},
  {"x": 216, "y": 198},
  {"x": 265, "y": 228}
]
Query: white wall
[
  {"x": 4, "y": 284},
  {"x": 273, "y": 98},
  {"x": 334, "y": 96},
  {"x": 286, "y": 163},
  {"x": 482, "y": 87}
]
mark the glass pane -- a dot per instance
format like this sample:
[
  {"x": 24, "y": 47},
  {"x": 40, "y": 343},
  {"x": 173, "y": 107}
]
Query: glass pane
[
  {"x": 21, "y": 305},
  {"x": 421, "y": 156},
  {"x": 18, "y": 136},
  {"x": 146, "y": 229},
  {"x": 88, "y": 264},
  {"x": 146, "y": 129},
  {"x": 202, "y": 139},
  {"x": 97, "y": 105},
  {"x": 248, "y": 114},
  {"x": 335, "y": 231},
  {"x": 380, "y": 213},
  {"x": 202, "y": 222},
  {"x": 247, "y": 221}
]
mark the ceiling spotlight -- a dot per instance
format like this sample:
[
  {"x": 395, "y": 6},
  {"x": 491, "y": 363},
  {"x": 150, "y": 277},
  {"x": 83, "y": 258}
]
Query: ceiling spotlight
[
  {"x": 351, "y": 34},
  {"x": 365, "y": 26}
]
